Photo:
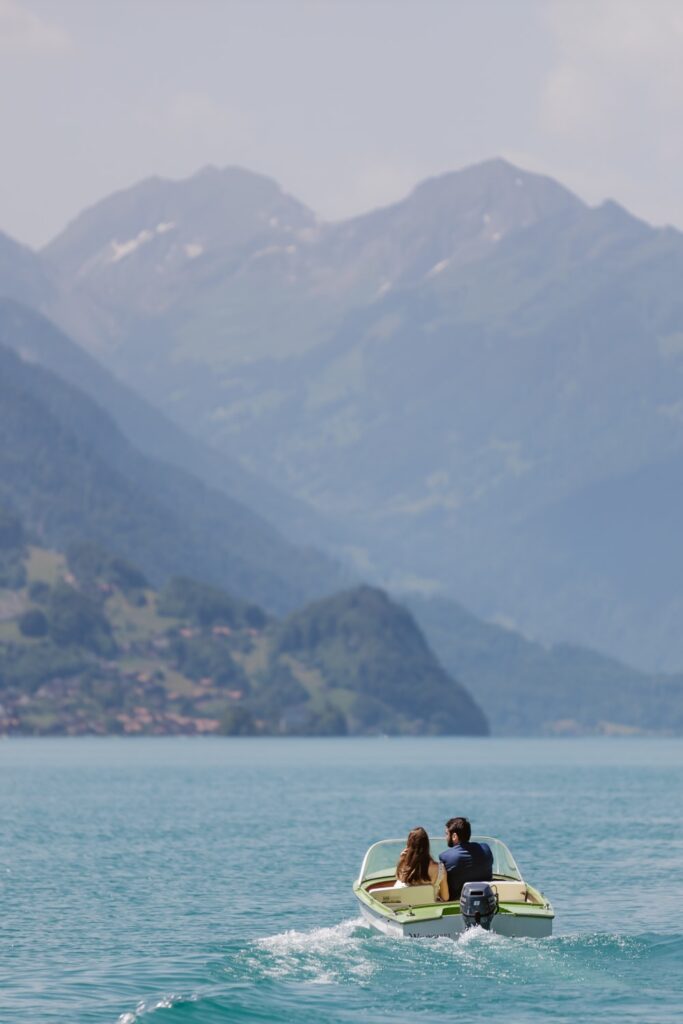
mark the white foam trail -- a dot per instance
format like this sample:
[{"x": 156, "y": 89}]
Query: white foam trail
[
  {"x": 149, "y": 1006},
  {"x": 320, "y": 940},
  {"x": 320, "y": 956},
  {"x": 473, "y": 936}
]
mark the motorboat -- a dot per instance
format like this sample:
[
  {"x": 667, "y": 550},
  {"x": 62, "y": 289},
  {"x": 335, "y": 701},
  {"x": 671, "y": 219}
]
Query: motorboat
[{"x": 506, "y": 904}]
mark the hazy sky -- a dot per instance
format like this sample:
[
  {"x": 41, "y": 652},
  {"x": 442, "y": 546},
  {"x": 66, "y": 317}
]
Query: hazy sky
[{"x": 347, "y": 103}]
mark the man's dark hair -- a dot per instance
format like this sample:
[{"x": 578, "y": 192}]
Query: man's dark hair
[{"x": 461, "y": 826}]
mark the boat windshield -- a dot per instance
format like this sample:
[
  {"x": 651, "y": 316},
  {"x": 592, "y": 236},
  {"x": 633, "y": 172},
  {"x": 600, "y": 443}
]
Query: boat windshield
[{"x": 381, "y": 859}]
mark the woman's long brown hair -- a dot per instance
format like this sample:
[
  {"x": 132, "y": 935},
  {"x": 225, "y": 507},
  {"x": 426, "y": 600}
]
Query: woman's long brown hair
[{"x": 413, "y": 864}]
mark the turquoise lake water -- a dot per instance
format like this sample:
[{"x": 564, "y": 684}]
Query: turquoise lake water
[{"x": 165, "y": 881}]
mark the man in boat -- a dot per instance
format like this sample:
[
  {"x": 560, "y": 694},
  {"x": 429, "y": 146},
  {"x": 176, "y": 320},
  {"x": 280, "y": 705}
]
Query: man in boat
[{"x": 464, "y": 861}]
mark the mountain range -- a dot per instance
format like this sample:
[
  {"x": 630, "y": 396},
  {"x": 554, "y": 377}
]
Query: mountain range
[
  {"x": 444, "y": 384},
  {"x": 469, "y": 395}
]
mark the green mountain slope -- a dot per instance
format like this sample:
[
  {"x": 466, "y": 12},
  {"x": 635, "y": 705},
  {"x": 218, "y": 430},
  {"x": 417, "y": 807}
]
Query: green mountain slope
[
  {"x": 87, "y": 646},
  {"x": 373, "y": 654},
  {"x": 71, "y": 474}
]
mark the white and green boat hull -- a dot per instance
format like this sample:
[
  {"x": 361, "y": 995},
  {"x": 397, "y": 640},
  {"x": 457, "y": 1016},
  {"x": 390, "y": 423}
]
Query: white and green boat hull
[
  {"x": 444, "y": 919},
  {"x": 522, "y": 911}
]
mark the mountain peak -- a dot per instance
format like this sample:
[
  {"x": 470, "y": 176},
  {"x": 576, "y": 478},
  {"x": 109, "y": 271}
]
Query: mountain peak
[
  {"x": 454, "y": 219},
  {"x": 230, "y": 175},
  {"x": 173, "y": 222},
  {"x": 522, "y": 197}
]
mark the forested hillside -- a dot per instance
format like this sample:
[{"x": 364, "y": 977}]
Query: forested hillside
[
  {"x": 71, "y": 474},
  {"x": 378, "y": 662},
  {"x": 88, "y": 646}
]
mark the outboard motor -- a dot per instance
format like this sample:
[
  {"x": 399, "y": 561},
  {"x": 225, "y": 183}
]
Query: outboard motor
[{"x": 478, "y": 904}]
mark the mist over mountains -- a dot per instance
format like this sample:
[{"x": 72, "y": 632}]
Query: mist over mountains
[{"x": 477, "y": 390}]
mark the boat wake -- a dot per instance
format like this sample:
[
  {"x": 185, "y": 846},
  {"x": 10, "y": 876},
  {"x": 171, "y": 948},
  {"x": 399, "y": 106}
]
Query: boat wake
[
  {"x": 321, "y": 955},
  {"x": 357, "y": 973},
  {"x": 148, "y": 1006}
]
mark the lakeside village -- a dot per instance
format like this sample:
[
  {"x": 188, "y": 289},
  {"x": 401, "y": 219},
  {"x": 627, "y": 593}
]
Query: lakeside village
[
  {"x": 155, "y": 701},
  {"x": 87, "y": 647}
]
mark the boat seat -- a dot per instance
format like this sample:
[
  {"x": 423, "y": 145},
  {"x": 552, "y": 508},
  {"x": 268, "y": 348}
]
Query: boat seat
[
  {"x": 410, "y": 896},
  {"x": 510, "y": 891}
]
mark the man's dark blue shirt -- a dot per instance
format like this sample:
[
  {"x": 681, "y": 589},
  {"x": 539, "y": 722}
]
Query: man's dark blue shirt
[{"x": 466, "y": 862}]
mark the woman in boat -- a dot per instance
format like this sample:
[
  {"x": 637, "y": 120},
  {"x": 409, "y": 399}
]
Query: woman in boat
[{"x": 416, "y": 867}]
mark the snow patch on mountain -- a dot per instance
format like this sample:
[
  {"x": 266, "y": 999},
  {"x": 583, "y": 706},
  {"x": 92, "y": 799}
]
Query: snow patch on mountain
[{"x": 119, "y": 250}]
